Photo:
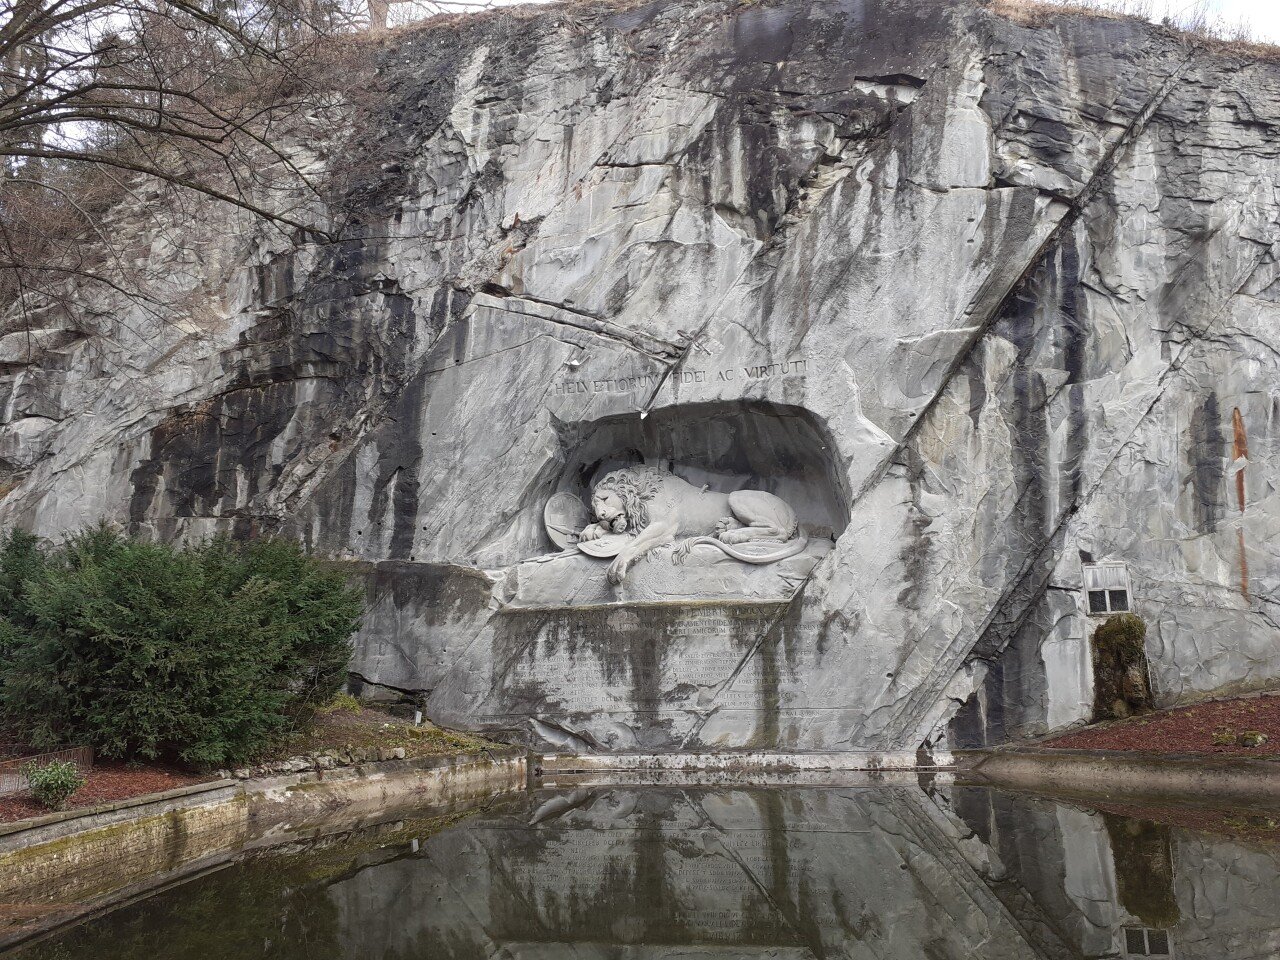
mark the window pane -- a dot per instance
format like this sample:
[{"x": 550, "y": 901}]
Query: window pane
[
  {"x": 1119, "y": 600},
  {"x": 1158, "y": 943},
  {"x": 1097, "y": 601},
  {"x": 1135, "y": 943}
]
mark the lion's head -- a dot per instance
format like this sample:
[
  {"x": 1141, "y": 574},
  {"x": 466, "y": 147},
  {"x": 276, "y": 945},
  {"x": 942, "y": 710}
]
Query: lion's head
[{"x": 621, "y": 499}]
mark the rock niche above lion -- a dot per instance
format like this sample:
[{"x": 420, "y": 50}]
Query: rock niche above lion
[{"x": 645, "y": 534}]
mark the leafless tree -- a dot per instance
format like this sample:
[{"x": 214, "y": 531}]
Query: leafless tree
[
  {"x": 408, "y": 11},
  {"x": 100, "y": 97},
  {"x": 97, "y": 96}
]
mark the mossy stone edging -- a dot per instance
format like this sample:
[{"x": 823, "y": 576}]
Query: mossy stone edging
[
  {"x": 85, "y": 860},
  {"x": 64, "y": 816}
]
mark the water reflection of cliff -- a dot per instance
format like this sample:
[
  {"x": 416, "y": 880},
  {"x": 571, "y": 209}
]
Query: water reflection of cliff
[
  {"x": 874, "y": 872},
  {"x": 624, "y": 873}
]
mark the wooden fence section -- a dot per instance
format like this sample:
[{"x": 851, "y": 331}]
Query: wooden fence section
[{"x": 12, "y": 779}]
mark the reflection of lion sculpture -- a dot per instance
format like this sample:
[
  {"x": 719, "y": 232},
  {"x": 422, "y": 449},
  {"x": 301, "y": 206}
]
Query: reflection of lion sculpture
[{"x": 657, "y": 506}]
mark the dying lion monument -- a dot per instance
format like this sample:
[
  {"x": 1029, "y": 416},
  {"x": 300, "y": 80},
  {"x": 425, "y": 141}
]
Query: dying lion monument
[{"x": 653, "y": 507}]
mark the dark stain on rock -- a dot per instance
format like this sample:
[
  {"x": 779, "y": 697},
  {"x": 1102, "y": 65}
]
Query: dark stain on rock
[
  {"x": 1205, "y": 459},
  {"x": 1240, "y": 454},
  {"x": 223, "y": 457},
  {"x": 1030, "y": 445},
  {"x": 1074, "y": 333},
  {"x": 215, "y": 458},
  {"x": 768, "y": 711},
  {"x": 419, "y": 619},
  {"x": 975, "y": 374},
  {"x": 399, "y": 462}
]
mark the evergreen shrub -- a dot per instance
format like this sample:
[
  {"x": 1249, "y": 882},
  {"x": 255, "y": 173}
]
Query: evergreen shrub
[{"x": 205, "y": 653}]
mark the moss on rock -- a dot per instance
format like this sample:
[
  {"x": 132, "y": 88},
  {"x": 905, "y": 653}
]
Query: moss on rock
[{"x": 1122, "y": 685}]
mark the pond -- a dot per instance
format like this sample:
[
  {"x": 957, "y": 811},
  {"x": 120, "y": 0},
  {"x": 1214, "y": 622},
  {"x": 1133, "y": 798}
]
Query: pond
[{"x": 911, "y": 870}]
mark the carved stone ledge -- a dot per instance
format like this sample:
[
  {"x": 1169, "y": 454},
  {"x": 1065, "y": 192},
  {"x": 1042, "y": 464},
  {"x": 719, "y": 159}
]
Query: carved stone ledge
[{"x": 572, "y": 579}]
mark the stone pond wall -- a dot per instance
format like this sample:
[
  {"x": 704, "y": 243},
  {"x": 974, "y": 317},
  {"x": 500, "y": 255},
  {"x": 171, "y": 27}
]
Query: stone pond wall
[
  {"x": 980, "y": 299},
  {"x": 64, "y": 866}
]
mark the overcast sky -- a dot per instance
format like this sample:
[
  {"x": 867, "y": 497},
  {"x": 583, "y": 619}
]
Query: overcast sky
[{"x": 1262, "y": 15}]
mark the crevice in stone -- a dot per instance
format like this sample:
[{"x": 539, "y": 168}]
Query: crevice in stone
[
  {"x": 417, "y": 694},
  {"x": 649, "y": 344},
  {"x": 893, "y": 80}
]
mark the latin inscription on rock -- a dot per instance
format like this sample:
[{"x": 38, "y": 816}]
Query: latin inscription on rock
[{"x": 743, "y": 373}]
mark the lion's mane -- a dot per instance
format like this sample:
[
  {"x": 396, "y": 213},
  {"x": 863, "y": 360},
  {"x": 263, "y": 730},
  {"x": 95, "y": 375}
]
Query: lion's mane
[{"x": 637, "y": 486}]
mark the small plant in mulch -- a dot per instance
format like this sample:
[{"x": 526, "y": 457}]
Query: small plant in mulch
[
  {"x": 1228, "y": 737},
  {"x": 52, "y": 784}
]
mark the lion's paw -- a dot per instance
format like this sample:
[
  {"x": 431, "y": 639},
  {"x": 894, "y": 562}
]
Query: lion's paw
[{"x": 617, "y": 571}]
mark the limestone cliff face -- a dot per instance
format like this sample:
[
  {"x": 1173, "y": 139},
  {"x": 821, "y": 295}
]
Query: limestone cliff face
[{"x": 983, "y": 300}]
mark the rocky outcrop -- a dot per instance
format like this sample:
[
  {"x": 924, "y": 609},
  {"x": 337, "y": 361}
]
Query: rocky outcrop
[{"x": 982, "y": 300}]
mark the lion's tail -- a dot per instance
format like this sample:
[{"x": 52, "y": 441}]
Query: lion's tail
[{"x": 788, "y": 549}]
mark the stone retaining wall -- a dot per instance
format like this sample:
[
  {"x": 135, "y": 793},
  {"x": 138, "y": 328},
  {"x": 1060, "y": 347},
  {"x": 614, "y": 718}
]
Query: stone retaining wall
[{"x": 61, "y": 867}]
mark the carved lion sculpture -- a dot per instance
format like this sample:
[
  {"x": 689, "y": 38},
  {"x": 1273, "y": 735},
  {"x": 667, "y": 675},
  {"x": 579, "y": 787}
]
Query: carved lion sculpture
[{"x": 657, "y": 507}]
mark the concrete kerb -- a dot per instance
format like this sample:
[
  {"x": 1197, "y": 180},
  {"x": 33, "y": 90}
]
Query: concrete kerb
[{"x": 742, "y": 762}]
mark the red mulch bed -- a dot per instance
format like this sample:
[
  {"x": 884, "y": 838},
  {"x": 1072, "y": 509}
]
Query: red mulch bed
[
  {"x": 107, "y": 782},
  {"x": 1188, "y": 729}
]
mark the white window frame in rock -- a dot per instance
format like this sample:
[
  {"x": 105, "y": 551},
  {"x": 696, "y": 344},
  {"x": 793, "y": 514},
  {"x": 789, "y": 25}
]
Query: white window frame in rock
[
  {"x": 1144, "y": 933},
  {"x": 1108, "y": 578}
]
